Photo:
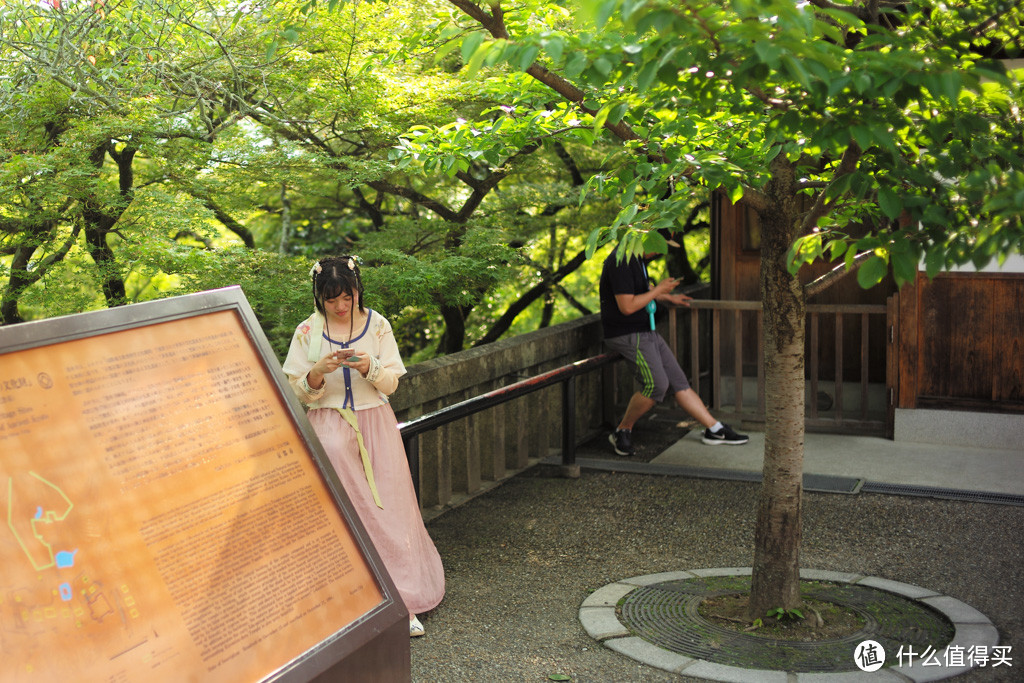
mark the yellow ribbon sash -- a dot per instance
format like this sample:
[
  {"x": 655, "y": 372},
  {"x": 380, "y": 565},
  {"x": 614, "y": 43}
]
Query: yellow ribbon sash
[{"x": 350, "y": 417}]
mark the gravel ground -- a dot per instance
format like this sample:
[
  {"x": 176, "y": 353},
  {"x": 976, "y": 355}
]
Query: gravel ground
[{"x": 521, "y": 559}]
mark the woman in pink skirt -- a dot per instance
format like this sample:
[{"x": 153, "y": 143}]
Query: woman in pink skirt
[{"x": 343, "y": 363}]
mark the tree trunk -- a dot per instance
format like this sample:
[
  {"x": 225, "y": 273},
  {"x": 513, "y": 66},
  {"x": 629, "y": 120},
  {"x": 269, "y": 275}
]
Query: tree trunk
[
  {"x": 19, "y": 281},
  {"x": 776, "y": 572},
  {"x": 286, "y": 220},
  {"x": 454, "y": 330},
  {"x": 106, "y": 262}
]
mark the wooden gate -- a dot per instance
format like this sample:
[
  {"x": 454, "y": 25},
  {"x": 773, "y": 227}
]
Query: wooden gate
[{"x": 961, "y": 342}]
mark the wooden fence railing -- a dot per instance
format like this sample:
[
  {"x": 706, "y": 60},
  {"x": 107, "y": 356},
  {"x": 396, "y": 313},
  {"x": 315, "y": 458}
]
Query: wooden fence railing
[{"x": 846, "y": 362}]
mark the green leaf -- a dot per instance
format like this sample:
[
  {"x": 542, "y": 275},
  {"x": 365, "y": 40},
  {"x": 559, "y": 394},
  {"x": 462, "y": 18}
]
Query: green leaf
[
  {"x": 655, "y": 243},
  {"x": 592, "y": 241},
  {"x": 575, "y": 65},
  {"x": 950, "y": 85},
  {"x": 617, "y": 112},
  {"x": 470, "y": 44},
  {"x": 768, "y": 52},
  {"x": 271, "y": 49},
  {"x": 890, "y": 202},
  {"x": 872, "y": 272},
  {"x": 838, "y": 85},
  {"x": 527, "y": 57},
  {"x": 602, "y": 116},
  {"x": 603, "y": 12},
  {"x": 796, "y": 70},
  {"x": 444, "y": 50},
  {"x": 904, "y": 266},
  {"x": 646, "y": 76},
  {"x": 554, "y": 47},
  {"x": 625, "y": 215},
  {"x": 658, "y": 20},
  {"x": 630, "y": 192},
  {"x": 477, "y": 60},
  {"x": 735, "y": 193},
  {"x": 863, "y": 136},
  {"x": 559, "y": 677},
  {"x": 837, "y": 248},
  {"x": 934, "y": 261}
]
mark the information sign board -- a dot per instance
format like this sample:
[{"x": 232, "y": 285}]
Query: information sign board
[{"x": 169, "y": 514}]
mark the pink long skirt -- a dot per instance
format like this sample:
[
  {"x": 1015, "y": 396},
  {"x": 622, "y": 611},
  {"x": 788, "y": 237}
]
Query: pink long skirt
[{"x": 397, "y": 531}]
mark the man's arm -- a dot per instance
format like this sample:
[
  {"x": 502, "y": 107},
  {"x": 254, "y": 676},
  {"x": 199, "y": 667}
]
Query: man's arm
[{"x": 631, "y": 303}]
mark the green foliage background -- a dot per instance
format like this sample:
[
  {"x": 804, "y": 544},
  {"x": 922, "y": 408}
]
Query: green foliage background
[{"x": 162, "y": 147}]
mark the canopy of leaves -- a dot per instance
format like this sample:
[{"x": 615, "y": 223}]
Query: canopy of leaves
[
  {"x": 156, "y": 147},
  {"x": 885, "y": 134}
]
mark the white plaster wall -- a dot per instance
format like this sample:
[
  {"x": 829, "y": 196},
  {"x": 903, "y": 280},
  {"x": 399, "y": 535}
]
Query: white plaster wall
[{"x": 1014, "y": 263}]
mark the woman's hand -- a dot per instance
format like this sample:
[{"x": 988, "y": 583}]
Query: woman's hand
[{"x": 325, "y": 366}]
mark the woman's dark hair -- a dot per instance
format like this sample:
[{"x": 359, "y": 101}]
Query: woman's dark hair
[{"x": 338, "y": 275}]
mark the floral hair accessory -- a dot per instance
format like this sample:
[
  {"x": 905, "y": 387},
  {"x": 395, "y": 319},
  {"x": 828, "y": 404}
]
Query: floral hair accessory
[
  {"x": 351, "y": 263},
  {"x": 315, "y": 269}
]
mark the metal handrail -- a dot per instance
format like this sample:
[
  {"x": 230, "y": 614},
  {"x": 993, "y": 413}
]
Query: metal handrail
[{"x": 565, "y": 375}]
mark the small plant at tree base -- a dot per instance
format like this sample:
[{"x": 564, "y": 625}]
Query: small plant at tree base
[{"x": 782, "y": 614}]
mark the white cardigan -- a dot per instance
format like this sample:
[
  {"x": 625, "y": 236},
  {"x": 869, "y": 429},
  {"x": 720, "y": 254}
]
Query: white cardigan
[{"x": 346, "y": 387}]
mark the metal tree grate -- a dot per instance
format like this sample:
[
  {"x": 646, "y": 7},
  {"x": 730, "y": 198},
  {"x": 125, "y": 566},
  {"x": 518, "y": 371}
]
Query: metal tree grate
[{"x": 666, "y": 615}]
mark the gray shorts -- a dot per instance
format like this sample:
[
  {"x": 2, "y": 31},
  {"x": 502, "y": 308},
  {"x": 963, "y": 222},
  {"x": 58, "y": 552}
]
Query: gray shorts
[{"x": 655, "y": 367}]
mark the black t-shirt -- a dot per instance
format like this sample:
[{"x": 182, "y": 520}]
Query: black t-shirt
[{"x": 626, "y": 277}]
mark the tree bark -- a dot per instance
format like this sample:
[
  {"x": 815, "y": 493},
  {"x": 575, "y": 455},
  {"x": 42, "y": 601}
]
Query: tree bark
[
  {"x": 454, "y": 329},
  {"x": 100, "y": 220},
  {"x": 776, "y": 572},
  {"x": 18, "y": 283},
  {"x": 106, "y": 263}
]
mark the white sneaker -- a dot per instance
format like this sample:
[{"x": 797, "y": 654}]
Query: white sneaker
[{"x": 415, "y": 628}]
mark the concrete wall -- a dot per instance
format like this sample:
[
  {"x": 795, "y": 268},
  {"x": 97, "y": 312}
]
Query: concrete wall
[
  {"x": 465, "y": 457},
  {"x": 960, "y": 428}
]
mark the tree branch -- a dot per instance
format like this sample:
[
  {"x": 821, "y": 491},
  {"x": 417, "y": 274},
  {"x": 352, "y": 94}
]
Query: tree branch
[
  {"x": 229, "y": 222},
  {"x": 848, "y": 164},
  {"x": 512, "y": 312},
  {"x": 495, "y": 25},
  {"x": 833, "y": 276}
]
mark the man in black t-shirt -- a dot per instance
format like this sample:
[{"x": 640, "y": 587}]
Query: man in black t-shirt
[{"x": 627, "y": 318}]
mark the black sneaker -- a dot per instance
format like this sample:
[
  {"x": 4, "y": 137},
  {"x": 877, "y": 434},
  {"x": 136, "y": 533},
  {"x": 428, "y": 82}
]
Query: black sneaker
[
  {"x": 621, "y": 441},
  {"x": 725, "y": 435}
]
